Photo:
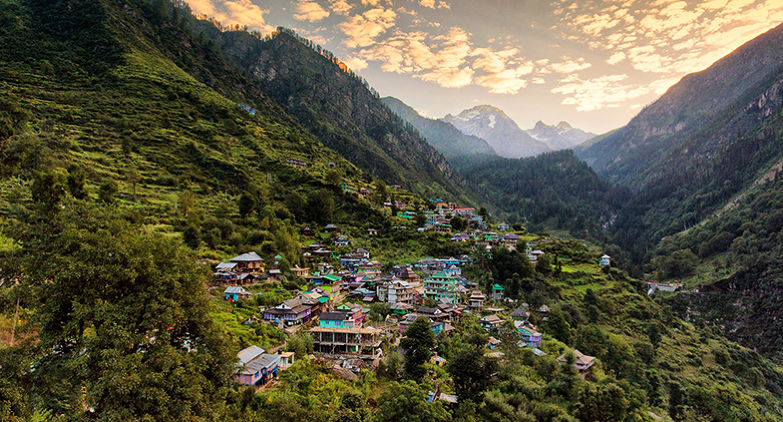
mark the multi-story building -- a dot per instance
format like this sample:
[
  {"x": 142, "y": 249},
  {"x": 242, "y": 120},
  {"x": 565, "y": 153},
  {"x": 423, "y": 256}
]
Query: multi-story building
[{"x": 441, "y": 287}]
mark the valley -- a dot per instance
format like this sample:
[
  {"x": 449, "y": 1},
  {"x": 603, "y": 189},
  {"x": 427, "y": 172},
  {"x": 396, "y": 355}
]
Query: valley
[{"x": 201, "y": 222}]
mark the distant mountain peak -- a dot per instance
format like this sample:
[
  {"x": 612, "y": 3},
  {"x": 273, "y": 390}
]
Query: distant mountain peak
[
  {"x": 562, "y": 136},
  {"x": 447, "y": 139},
  {"x": 500, "y": 131}
]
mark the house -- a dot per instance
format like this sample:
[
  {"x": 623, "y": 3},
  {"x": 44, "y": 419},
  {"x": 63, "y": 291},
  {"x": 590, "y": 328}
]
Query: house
[
  {"x": 300, "y": 272},
  {"x": 248, "y": 262},
  {"x": 360, "y": 254},
  {"x": 278, "y": 258},
  {"x": 491, "y": 322},
  {"x": 606, "y": 260},
  {"x": 510, "y": 238},
  {"x": 534, "y": 255},
  {"x": 359, "y": 341},
  {"x": 341, "y": 241},
  {"x": 493, "y": 343},
  {"x": 437, "y": 360},
  {"x": 290, "y": 312},
  {"x": 460, "y": 237},
  {"x": 306, "y": 231},
  {"x": 582, "y": 362},
  {"x": 256, "y": 367},
  {"x": 407, "y": 274},
  {"x": 355, "y": 312},
  {"x": 441, "y": 287},
  {"x": 336, "y": 319},
  {"x": 286, "y": 360},
  {"x": 400, "y": 308},
  {"x": 453, "y": 270},
  {"x": 530, "y": 336},
  {"x": 435, "y": 314},
  {"x": 544, "y": 311},
  {"x": 331, "y": 228},
  {"x": 503, "y": 227},
  {"x": 397, "y": 291},
  {"x": 519, "y": 314},
  {"x": 476, "y": 301},
  {"x": 497, "y": 292},
  {"x": 226, "y": 267},
  {"x": 235, "y": 293},
  {"x": 226, "y": 272},
  {"x": 322, "y": 252}
]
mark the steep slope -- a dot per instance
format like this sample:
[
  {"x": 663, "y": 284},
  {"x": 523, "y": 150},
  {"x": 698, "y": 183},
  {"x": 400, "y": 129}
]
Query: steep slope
[
  {"x": 562, "y": 136},
  {"x": 551, "y": 191},
  {"x": 447, "y": 139},
  {"x": 704, "y": 159},
  {"x": 338, "y": 108},
  {"x": 500, "y": 132},
  {"x": 696, "y": 119},
  {"x": 130, "y": 100}
]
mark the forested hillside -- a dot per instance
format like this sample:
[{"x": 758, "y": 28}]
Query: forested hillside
[
  {"x": 699, "y": 146},
  {"x": 704, "y": 160},
  {"x": 136, "y": 160},
  {"x": 340, "y": 109},
  {"x": 553, "y": 190}
]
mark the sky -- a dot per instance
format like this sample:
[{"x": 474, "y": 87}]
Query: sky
[{"x": 595, "y": 64}]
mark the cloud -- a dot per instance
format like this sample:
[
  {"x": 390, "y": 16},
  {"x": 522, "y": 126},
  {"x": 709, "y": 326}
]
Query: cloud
[
  {"x": 608, "y": 91},
  {"x": 355, "y": 63},
  {"x": 231, "y": 12},
  {"x": 502, "y": 71},
  {"x": 362, "y": 30},
  {"x": 569, "y": 65},
  {"x": 310, "y": 11},
  {"x": 340, "y": 7},
  {"x": 669, "y": 37},
  {"x": 451, "y": 60},
  {"x": 432, "y": 4},
  {"x": 616, "y": 58}
]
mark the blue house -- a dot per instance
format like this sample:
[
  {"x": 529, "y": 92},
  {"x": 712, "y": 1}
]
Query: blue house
[
  {"x": 235, "y": 293},
  {"x": 606, "y": 260}
]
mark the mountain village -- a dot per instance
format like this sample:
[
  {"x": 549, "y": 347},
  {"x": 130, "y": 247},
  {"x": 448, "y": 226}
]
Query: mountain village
[{"x": 341, "y": 292}]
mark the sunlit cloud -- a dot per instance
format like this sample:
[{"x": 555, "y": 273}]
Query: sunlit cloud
[
  {"x": 233, "y": 12},
  {"x": 310, "y": 11},
  {"x": 340, "y": 7},
  {"x": 362, "y": 30},
  {"x": 597, "y": 93},
  {"x": 355, "y": 63}
]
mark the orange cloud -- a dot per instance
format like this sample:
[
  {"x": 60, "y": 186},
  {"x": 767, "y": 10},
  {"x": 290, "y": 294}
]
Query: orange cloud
[
  {"x": 230, "y": 12},
  {"x": 310, "y": 11}
]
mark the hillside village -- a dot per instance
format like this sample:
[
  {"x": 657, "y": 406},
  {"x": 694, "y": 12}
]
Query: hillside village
[{"x": 356, "y": 310}]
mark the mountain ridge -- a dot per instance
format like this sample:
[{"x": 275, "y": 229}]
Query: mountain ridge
[
  {"x": 446, "y": 138},
  {"x": 500, "y": 131}
]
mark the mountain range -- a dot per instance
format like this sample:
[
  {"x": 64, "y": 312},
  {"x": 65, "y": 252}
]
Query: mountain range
[
  {"x": 134, "y": 125},
  {"x": 447, "y": 139},
  {"x": 705, "y": 164},
  {"x": 500, "y": 131},
  {"x": 561, "y": 136}
]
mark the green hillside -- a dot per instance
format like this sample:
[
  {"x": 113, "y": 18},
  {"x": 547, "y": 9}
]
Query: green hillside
[
  {"x": 551, "y": 191},
  {"x": 339, "y": 108},
  {"x": 135, "y": 157}
]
